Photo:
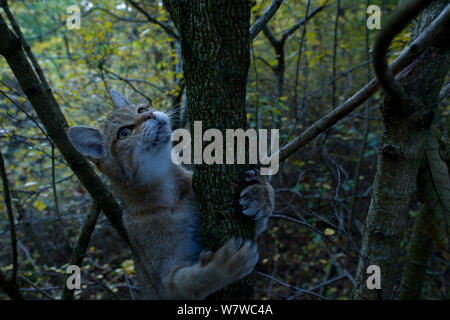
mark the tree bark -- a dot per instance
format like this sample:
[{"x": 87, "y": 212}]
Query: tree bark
[
  {"x": 215, "y": 46},
  {"x": 400, "y": 152}
]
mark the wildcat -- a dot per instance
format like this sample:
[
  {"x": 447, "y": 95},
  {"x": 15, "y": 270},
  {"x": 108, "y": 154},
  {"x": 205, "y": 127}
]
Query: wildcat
[{"x": 160, "y": 209}]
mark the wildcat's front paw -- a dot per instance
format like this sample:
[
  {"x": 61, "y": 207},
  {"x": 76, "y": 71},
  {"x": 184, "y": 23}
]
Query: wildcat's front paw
[
  {"x": 235, "y": 260},
  {"x": 257, "y": 200}
]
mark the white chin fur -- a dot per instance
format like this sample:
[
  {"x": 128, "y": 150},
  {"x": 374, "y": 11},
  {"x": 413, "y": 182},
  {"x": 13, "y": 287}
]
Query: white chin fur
[{"x": 153, "y": 161}]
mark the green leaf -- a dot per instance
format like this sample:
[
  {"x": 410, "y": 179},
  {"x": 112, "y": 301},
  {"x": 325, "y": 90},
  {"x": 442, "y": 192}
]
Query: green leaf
[{"x": 436, "y": 195}]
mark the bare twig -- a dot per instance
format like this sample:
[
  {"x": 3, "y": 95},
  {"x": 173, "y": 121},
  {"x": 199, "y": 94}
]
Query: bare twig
[
  {"x": 28, "y": 51},
  {"x": 320, "y": 285},
  {"x": 284, "y": 284},
  {"x": 166, "y": 28},
  {"x": 364, "y": 143},
  {"x": 36, "y": 287},
  {"x": 299, "y": 56},
  {"x": 85, "y": 14},
  {"x": 55, "y": 193},
  {"x": 9, "y": 286}
]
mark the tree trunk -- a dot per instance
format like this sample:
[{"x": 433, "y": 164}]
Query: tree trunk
[
  {"x": 419, "y": 251},
  {"x": 56, "y": 125},
  {"x": 215, "y": 47},
  {"x": 400, "y": 152}
]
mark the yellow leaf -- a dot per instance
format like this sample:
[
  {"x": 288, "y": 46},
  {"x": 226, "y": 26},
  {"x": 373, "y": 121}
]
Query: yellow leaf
[
  {"x": 329, "y": 232},
  {"x": 39, "y": 205}
]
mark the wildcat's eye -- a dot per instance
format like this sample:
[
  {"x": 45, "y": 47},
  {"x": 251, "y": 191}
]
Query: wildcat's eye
[
  {"x": 142, "y": 109},
  {"x": 124, "y": 132}
]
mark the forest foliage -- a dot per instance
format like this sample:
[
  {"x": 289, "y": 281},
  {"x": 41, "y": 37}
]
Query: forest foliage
[{"x": 311, "y": 243}]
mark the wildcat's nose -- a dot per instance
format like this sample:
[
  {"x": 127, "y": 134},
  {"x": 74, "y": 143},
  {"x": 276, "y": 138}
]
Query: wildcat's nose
[{"x": 149, "y": 115}]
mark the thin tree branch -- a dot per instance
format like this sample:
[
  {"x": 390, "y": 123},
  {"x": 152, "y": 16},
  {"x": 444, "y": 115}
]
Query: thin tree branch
[
  {"x": 271, "y": 37},
  {"x": 26, "y": 113},
  {"x": 365, "y": 137},
  {"x": 335, "y": 45},
  {"x": 127, "y": 81},
  {"x": 299, "y": 57},
  {"x": 113, "y": 15},
  {"x": 320, "y": 285},
  {"x": 314, "y": 229},
  {"x": 291, "y": 30},
  {"x": 256, "y": 28},
  {"x": 26, "y": 47},
  {"x": 55, "y": 193},
  {"x": 85, "y": 14},
  {"x": 9, "y": 286},
  {"x": 166, "y": 28}
]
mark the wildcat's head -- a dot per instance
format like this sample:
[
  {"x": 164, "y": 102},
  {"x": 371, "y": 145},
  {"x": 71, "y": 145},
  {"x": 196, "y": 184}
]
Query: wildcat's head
[{"x": 134, "y": 147}]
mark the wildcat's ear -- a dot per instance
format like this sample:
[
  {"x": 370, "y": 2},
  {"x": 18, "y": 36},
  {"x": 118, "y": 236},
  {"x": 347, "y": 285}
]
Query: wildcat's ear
[
  {"x": 88, "y": 141},
  {"x": 119, "y": 100}
]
